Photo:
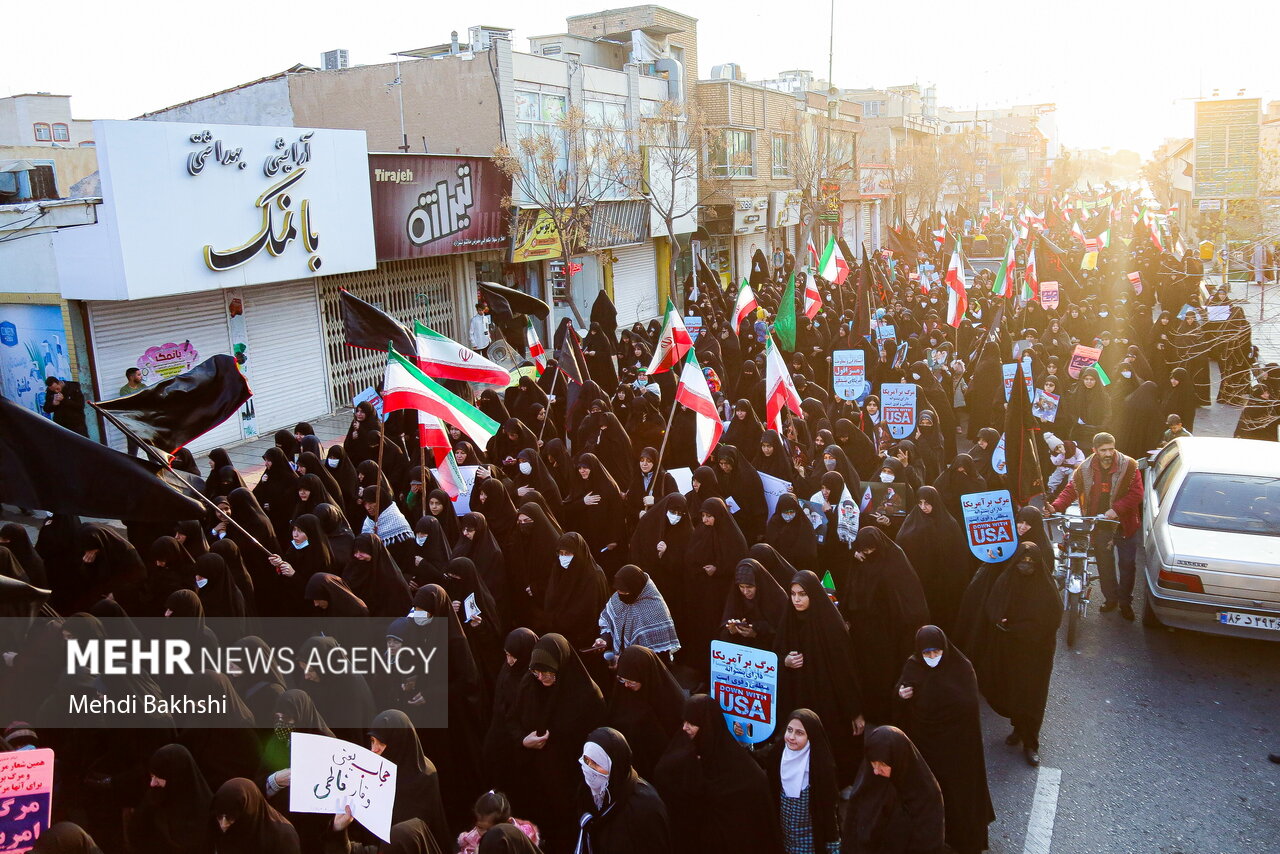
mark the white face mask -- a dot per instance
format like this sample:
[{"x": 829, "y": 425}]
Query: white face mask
[
  {"x": 1126, "y": 374},
  {"x": 421, "y": 618},
  {"x": 302, "y": 545},
  {"x": 788, "y": 516},
  {"x": 673, "y": 518},
  {"x": 526, "y": 468},
  {"x": 420, "y": 539},
  {"x": 1103, "y": 313},
  {"x": 596, "y": 782},
  {"x": 886, "y": 477},
  {"x": 565, "y": 560},
  {"x": 932, "y": 662},
  {"x": 830, "y": 464},
  {"x": 332, "y": 463},
  {"x": 201, "y": 582}
]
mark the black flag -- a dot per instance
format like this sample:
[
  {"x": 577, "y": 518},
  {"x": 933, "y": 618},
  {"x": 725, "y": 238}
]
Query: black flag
[
  {"x": 370, "y": 328},
  {"x": 47, "y": 467},
  {"x": 505, "y": 303},
  {"x": 170, "y": 414}
]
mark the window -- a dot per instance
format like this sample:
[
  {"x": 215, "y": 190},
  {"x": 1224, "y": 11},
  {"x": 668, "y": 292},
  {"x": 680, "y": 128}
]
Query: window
[
  {"x": 1234, "y": 503},
  {"x": 61, "y": 133},
  {"x": 781, "y": 155},
  {"x": 538, "y": 116},
  {"x": 606, "y": 145},
  {"x": 1169, "y": 463},
  {"x": 43, "y": 133},
  {"x": 733, "y": 154}
]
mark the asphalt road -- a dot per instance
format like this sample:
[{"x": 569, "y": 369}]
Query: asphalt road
[{"x": 1161, "y": 738}]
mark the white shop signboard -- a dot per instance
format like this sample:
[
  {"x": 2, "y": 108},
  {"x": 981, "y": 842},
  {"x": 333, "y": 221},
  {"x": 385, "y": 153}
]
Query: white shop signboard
[{"x": 199, "y": 207}]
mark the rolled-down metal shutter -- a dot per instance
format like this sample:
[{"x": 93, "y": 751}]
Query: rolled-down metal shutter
[
  {"x": 121, "y": 332},
  {"x": 286, "y": 354},
  {"x": 635, "y": 283}
]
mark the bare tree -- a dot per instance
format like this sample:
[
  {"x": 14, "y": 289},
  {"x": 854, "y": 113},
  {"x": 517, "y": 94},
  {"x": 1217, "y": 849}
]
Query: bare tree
[
  {"x": 669, "y": 151},
  {"x": 919, "y": 174},
  {"x": 564, "y": 170},
  {"x": 821, "y": 156}
]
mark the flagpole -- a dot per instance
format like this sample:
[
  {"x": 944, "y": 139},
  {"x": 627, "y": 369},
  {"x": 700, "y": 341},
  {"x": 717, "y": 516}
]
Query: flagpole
[
  {"x": 382, "y": 441},
  {"x": 663, "y": 449},
  {"x": 167, "y": 466},
  {"x": 554, "y": 379}
]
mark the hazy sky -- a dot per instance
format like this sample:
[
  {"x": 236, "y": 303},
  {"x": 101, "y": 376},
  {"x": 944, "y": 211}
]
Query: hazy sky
[{"x": 1114, "y": 69}]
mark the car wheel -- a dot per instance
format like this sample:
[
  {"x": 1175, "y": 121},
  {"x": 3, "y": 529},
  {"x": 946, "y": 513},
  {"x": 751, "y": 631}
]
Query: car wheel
[{"x": 1149, "y": 618}]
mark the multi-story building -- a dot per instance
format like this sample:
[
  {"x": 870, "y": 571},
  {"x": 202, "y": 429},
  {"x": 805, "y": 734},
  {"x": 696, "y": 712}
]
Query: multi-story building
[
  {"x": 783, "y": 160},
  {"x": 37, "y": 128}
]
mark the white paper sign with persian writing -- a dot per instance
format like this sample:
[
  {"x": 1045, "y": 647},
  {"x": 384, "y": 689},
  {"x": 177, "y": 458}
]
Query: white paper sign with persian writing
[
  {"x": 26, "y": 798},
  {"x": 328, "y": 774},
  {"x": 774, "y": 487}
]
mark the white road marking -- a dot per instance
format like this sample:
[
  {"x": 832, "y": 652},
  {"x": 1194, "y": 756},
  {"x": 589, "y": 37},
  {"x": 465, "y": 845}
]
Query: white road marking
[{"x": 1044, "y": 808}]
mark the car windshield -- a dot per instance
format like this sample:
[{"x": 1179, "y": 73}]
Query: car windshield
[{"x": 1235, "y": 503}]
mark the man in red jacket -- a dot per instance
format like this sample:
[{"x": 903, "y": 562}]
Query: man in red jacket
[{"x": 1108, "y": 483}]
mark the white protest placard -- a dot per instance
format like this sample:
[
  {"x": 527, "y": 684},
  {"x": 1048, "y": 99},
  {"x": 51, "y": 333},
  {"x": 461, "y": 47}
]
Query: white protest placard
[
  {"x": 683, "y": 478},
  {"x": 898, "y": 408},
  {"x": 1009, "y": 371},
  {"x": 1049, "y": 295},
  {"x": 744, "y": 681},
  {"x": 694, "y": 326},
  {"x": 1218, "y": 312},
  {"x": 774, "y": 487},
  {"x": 998, "y": 463},
  {"x": 462, "y": 504},
  {"x": 328, "y": 774},
  {"x": 26, "y": 798},
  {"x": 371, "y": 396},
  {"x": 849, "y": 374}
]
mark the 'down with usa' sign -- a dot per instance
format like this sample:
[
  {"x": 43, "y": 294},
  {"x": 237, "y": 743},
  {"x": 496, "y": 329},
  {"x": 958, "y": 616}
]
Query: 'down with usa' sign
[
  {"x": 898, "y": 408},
  {"x": 989, "y": 524}
]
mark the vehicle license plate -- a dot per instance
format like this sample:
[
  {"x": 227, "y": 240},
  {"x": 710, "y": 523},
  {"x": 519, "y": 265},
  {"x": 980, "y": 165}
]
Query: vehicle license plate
[{"x": 1252, "y": 621}]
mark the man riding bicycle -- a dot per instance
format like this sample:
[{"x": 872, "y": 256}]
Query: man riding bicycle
[{"x": 1109, "y": 484}]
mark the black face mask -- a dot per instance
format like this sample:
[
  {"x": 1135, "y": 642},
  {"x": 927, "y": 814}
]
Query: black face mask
[
  {"x": 628, "y": 598},
  {"x": 526, "y": 526}
]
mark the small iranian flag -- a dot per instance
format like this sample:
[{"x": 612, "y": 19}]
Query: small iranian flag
[
  {"x": 1105, "y": 239},
  {"x": 1076, "y": 231},
  {"x": 446, "y": 359},
  {"x": 812, "y": 296},
  {"x": 694, "y": 393},
  {"x": 537, "y": 352},
  {"x": 449, "y": 477},
  {"x": 745, "y": 304},
  {"x": 405, "y": 386},
  {"x": 1031, "y": 279},
  {"x": 1135, "y": 279},
  {"x": 432, "y": 435},
  {"x": 1002, "y": 286},
  {"x": 673, "y": 343},
  {"x": 833, "y": 267},
  {"x": 779, "y": 391},
  {"x": 957, "y": 298}
]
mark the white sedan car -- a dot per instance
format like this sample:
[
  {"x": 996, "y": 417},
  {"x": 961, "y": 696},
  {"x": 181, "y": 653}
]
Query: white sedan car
[{"x": 1211, "y": 528}]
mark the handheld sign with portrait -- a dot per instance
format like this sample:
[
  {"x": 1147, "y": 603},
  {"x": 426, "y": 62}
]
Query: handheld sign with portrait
[
  {"x": 26, "y": 798},
  {"x": 744, "y": 681},
  {"x": 1082, "y": 357},
  {"x": 1046, "y": 405},
  {"x": 988, "y": 523},
  {"x": 329, "y": 774},
  {"x": 1049, "y": 295},
  {"x": 898, "y": 408},
  {"x": 849, "y": 374}
]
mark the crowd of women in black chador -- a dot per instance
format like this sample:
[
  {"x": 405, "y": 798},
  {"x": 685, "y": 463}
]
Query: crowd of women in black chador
[{"x": 583, "y": 585}]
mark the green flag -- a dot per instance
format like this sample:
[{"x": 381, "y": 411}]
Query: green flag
[{"x": 784, "y": 325}]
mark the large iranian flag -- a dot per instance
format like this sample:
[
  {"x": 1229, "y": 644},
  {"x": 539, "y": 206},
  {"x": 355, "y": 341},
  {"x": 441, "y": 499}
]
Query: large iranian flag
[
  {"x": 744, "y": 305},
  {"x": 405, "y": 386},
  {"x": 446, "y": 359},
  {"x": 779, "y": 391},
  {"x": 957, "y": 297},
  {"x": 833, "y": 267},
  {"x": 694, "y": 393},
  {"x": 673, "y": 343}
]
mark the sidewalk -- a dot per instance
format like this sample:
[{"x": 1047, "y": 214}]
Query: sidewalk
[{"x": 246, "y": 455}]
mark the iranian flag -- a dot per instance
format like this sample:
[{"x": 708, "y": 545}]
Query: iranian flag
[
  {"x": 1135, "y": 279},
  {"x": 1076, "y": 231},
  {"x": 779, "y": 391},
  {"x": 1105, "y": 239},
  {"x": 745, "y": 304},
  {"x": 673, "y": 343},
  {"x": 812, "y": 297},
  {"x": 1031, "y": 279},
  {"x": 537, "y": 352},
  {"x": 833, "y": 267},
  {"x": 694, "y": 393},
  {"x": 1003, "y": 284},
  {"x": 446, "y": 359},
  {"x": 405, "y": 386},
  {"x": 432, "y": 435},
  {"x": 957, "y": 299}
]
